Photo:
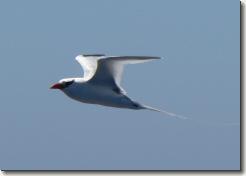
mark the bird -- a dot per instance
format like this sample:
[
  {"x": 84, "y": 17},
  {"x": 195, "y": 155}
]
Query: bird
[{"x": 101, "y": 82}]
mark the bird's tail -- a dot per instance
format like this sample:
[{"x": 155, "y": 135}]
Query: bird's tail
[
  {"x": 165, "y": 112},
  {"x": 201, "y": 122}
]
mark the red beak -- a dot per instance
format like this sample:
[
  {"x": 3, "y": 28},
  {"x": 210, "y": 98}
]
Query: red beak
[{"x": 56, "y": 86}]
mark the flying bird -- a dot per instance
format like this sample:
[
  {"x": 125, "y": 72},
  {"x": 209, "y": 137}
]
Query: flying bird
[{"x": 101, "y": 82}]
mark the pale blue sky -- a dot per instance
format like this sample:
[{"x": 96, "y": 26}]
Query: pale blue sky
[{"x": 199, "y": 78}]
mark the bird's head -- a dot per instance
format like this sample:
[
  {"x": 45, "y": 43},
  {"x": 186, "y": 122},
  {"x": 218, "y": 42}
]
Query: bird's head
[{"x": 62, "y": 84}]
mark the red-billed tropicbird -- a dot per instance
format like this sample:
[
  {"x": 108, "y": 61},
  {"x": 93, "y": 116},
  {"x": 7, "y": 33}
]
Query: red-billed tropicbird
[{"x": 101, "y": 82}]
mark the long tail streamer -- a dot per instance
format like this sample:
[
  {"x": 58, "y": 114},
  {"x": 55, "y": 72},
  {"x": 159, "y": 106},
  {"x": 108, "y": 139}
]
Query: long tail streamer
[{"x": 194, "y": 120}]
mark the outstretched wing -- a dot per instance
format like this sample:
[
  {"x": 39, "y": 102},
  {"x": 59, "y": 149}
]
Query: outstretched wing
[
  {"x": 109, "y": 69},
  {"x": 89, "y": 64}
]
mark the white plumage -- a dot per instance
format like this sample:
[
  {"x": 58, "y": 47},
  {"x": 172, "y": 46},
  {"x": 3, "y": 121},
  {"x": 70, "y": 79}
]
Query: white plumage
[{"x": 101, "y": 82}]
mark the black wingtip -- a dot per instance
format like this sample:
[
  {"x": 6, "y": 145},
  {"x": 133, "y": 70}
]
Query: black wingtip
[
  {"x": 163, "y": 58},
  {"x": 155, "y": 57}
]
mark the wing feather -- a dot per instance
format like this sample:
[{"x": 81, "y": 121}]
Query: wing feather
[
  {"x": 109, "y": 69},
  {"x": 89, "y": 64}
]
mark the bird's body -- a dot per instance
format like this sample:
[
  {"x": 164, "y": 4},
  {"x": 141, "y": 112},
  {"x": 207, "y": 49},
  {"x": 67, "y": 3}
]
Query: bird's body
[
  {"x": 95, "y": 94},
  {"x": 101, "y": 82}
]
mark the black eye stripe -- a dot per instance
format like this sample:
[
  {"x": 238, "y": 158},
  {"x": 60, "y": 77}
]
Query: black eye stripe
[{"x": 69, "y": 83}]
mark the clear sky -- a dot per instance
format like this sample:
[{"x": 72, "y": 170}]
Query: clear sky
[{"x": 199, "y": 78}]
